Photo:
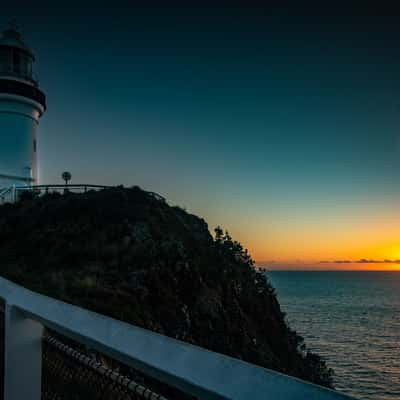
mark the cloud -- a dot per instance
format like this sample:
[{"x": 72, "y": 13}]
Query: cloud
[{"x": 361, "y": 261}]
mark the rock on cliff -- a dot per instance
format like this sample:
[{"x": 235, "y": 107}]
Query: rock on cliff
[{"x": 129, "y": 255}]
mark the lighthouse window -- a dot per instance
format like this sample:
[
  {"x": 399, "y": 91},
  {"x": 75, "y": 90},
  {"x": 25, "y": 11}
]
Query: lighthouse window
[
  {"x": 16, "y": 62},
  {"x": 27, "y": 66},
  {"x": 4, "y": 60},
  {"x": 34, "y": 145}
]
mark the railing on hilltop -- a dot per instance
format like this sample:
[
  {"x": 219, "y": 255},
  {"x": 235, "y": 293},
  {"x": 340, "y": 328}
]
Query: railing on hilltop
[
  {"x": 7, "y": 194},
  {"x": 12, "y": 193},
  {"x": 193, "y": 370}
]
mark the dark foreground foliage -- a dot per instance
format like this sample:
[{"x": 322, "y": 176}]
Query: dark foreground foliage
[{"x": 123, "y": 253}]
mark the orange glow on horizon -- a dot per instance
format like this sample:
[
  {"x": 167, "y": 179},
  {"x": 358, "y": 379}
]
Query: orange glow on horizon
[
  {"x": 307, "y": 249},
  {"x": 348, "y": 266},
  {"x": 305, "y": 235}
]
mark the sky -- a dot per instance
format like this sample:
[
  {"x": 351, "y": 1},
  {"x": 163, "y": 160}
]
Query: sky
[{"x": 279, "y": 123}]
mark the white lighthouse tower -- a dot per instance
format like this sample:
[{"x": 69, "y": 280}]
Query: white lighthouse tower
[{"x": 21, "y": 105}]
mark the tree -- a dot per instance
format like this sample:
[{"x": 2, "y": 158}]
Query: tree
[{"x": 66, "y": 176}]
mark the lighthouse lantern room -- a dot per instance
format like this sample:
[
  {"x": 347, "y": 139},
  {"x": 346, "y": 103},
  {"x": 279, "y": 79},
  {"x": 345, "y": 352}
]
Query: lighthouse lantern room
[{"x": 22, "y": 103}]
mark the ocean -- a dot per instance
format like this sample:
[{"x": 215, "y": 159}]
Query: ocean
[{"x": 352, "y": 319}]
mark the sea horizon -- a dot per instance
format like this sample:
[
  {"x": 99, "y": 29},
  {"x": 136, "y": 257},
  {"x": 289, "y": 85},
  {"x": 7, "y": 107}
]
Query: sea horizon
[
  {"x": 333, "y": 270},
  {"x": 329, "y": 266}
]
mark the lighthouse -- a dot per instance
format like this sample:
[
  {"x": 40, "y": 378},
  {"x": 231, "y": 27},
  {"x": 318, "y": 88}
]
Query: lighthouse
[{"x": 22, "y": 103}]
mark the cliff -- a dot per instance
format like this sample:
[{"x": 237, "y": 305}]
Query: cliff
[{"x": 129, "y": 255}]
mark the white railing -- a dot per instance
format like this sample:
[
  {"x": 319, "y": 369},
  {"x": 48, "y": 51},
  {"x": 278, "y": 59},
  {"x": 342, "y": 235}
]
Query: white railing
[
  {"x": 194, "y": 370},
  {"x": 7, "y": 195}
]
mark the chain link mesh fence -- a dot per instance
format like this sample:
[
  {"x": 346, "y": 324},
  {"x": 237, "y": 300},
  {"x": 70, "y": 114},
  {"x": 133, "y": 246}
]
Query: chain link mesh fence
[{"x": 72, "y": 372}]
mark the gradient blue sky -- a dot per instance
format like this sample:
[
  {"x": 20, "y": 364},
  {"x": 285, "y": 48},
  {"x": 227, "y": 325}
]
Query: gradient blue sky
[{"x": 281, "y": 125}]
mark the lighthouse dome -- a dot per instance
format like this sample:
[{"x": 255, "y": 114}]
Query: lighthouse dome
[
  {"x": 16, "y": 58},
  {"x": 12, "y": 38}
]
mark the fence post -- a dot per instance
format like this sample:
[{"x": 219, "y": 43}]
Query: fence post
[{"x": 22, "y": 356}]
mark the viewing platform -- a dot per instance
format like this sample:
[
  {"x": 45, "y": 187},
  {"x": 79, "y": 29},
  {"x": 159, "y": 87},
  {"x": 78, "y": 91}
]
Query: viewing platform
[{"x": 11, "y": 194}]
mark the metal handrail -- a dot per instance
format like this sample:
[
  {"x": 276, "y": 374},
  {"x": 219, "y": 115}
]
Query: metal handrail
[
  {"x": 194, "y": 370},
  {"x": 63, "y": 187},
  {"x": 81, "y": 185},
  {"x": 5, "y": 192},
  {"x": 6, "y": 73},
  {"x": 78, "y": 186},
  {"x": 17, "y": 178}
]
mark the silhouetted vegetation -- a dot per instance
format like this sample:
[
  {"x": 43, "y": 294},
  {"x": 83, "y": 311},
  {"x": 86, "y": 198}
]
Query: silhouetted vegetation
[{"x": 123, "y": 253}]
